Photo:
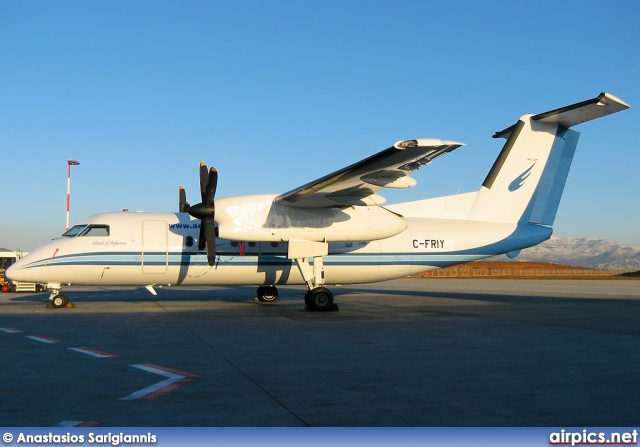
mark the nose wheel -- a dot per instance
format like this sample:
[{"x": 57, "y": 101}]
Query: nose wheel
[{"x": 59, "y": 301}]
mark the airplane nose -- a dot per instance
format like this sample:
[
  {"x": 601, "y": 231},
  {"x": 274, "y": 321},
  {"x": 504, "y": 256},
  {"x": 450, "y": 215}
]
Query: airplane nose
[{"x": 24, "y": 270}]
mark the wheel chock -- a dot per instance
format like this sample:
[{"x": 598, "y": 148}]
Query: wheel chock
[{"x": 69, "y": 305}]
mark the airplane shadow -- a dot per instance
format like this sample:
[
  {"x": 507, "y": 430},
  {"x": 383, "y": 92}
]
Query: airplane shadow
[{"x": 344, "y": 294}]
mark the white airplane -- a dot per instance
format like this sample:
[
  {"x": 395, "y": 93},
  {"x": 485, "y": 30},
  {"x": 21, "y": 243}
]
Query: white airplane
[{"x": 333, "y": 230}]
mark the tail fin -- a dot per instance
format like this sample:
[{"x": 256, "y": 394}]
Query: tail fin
[{"x": 526, "y": 181}]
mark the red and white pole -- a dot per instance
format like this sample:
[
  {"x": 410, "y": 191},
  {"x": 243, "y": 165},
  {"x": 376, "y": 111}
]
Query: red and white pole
[{"x": 69, "y": 163}]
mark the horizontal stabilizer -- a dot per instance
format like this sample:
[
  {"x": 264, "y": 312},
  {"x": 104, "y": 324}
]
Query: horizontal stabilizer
[{"x": 602, "y": 105}]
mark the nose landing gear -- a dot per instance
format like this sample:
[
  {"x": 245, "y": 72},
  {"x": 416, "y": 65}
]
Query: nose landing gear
[{"x": 58, "y": 300}]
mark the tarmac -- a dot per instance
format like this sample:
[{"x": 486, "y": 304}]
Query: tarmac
[{"x": 411, "y": 352}]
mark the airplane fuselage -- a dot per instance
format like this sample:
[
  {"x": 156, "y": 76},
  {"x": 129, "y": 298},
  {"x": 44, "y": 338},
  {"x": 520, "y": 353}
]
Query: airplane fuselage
[{"x": 160, "y": 249}]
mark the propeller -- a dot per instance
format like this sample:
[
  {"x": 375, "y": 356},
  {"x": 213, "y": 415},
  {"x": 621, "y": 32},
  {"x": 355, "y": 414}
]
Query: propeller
[
  {"x": 183, "y": 205},
  {"x": 205, "y": 211}
]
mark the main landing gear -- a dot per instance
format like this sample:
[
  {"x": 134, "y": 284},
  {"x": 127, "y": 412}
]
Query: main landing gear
[{"x": 319, "y": 298}]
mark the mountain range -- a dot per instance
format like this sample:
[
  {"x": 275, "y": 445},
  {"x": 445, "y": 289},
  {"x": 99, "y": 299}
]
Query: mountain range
[{"x": 582, "y": 252}]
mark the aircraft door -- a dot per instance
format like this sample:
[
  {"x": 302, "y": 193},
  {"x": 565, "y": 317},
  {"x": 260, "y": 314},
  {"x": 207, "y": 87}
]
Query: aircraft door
[{"x": 155, "y": 254}]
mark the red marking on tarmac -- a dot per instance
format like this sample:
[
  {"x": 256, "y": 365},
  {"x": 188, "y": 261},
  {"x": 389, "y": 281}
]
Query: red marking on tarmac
[
  {"x": 168, "y": 388},
  {"x": 171, "y": 370},
  {"x": 10, "y": 330},
  {"x": 43, "y": 339},
  {"x": 92, "y": 352},
  {"x": 175, "y": 379}
]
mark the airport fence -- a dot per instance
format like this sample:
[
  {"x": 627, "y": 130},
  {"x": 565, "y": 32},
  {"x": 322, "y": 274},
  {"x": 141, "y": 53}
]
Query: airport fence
[{"x": 466, "y": 272}]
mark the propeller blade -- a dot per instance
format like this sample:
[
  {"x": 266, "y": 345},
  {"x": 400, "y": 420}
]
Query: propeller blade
[
  {"x": 201, "y": 237},
  {"x": 212, "y": 185},
  {"x": 183, "y": 205},
  {"x": 204, "y": 180},
  {"x": 210, "y": 234}
]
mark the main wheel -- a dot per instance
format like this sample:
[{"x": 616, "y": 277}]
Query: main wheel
[
  {"x": 319, "y": 298},
  {"x": 307, "y": 299},
  {"x": 267, "y": 294},
  {"x": 59, "y": 301}
]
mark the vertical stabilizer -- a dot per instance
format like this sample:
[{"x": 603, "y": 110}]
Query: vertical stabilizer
[
  {"x": 526, "y": 182},
  {"x": 507, "y": 192}
]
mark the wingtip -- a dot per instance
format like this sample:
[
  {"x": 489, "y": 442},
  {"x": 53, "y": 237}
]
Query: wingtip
[{"x": 604, "y": 96}]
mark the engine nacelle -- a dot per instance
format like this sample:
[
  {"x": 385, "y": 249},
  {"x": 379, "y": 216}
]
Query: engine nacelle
[{"x": 258, "y": 218}]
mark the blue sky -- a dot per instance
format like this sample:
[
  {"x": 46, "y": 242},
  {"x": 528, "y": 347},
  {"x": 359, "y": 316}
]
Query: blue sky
[{"x": 278, "y": 93}]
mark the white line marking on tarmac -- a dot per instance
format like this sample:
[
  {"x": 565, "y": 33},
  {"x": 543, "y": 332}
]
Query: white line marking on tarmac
[
  {"x": 43, "y": 339},
  {"x": 175, "y": 379},
  {"x": 10, "y": 330},
  {"x": 93, "y": 352}
]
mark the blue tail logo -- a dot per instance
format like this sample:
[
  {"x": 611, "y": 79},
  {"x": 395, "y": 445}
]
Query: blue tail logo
[{"x": 522, "y": 178}]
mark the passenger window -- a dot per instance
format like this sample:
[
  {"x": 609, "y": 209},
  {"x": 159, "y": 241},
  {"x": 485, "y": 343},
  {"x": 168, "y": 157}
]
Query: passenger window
[
  {"x": 95, "y": 230},
  {"x": 188, "y": 241}
]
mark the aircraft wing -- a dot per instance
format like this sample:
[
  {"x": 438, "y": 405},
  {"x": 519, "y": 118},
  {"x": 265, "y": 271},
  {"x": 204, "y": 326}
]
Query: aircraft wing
[{"x": 358, "y": 184}]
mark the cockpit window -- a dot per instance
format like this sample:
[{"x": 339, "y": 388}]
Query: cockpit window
[
  {"x": 74, "y": 230},
  {"x": 87, "y": 230},
  {"x": 95, "y": 230}
]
